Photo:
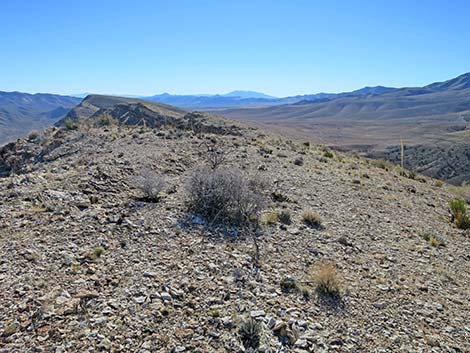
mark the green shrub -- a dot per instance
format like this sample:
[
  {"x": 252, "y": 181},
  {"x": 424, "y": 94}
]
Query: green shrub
[
  {"x": 69, "y": 124},
  {"x": 328, "y": 154},
  {"x": 433, "y": 240},
  {"x": 382, "y": 164},
  {"x": 458, "y": 209},
  {"x": 95, "y": 254},
  {"x": 284, "y": 217},
  {"x": 249, "y": 333},
  {"x": 289, "y": 284},
  {"x": 107, "y": 120}
]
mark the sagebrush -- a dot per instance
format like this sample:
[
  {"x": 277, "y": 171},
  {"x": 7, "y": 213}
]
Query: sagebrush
[
  {"x": 225, "y": 196},
  {"x": 150, "y": 184}
]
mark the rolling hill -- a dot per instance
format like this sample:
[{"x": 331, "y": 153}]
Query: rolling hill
[
  {"x": 434, "y": 115},
  {"x": 22, "y": 112}
]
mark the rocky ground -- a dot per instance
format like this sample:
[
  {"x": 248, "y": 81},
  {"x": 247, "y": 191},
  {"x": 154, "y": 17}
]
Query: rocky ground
[{"x": 86, "y": 265}]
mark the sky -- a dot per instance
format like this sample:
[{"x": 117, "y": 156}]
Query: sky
[{"x": 281, "y": 48}]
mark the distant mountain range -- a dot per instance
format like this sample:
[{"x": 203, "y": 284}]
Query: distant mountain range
[
  {"x": 253, "y": 99},
  {"x": 325, "y": 116},
  {"x": 437, "y": 100},
  {"x": 246, "y": 98},
  {"x": 21, "y": 113},
  {"x": 433, "y": 121}
]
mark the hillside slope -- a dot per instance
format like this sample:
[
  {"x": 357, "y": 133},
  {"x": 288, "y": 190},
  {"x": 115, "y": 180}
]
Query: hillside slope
[
  {"x": 21, "y": 113},
  {"x": 88, "y": 265}
]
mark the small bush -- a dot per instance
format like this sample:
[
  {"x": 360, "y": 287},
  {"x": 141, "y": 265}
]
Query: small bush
[
  {"x": 225, "y": 196},
  {"x": 278, "y": 196},
  {"x": 95, "y": 254},
  {"x": 69, "y": 124},
  {"x": 289, "y": 284},
  {"x": 299, "y": 161},
  {"x": 382, "y": 164},
  {"x": 33, "y": 136},
  {"x": 264, "y": 149},
  {"x": 270, "y": 218},
  {"x": 150, "y": 184},
  {"x": 214, "y": 312},
  {"x": 216, "y": 155},
  {"x": 326, "y": 279},
  {"x": 458, "y": 209},
  {"x": 284, "y": 217},
  {"x": 107, "y": 120},
  {"x": 433, "y": 240},
  {"x": 249, "y": 333},
  {"x": 312, "y": 219},
  {"x": 328, "y": 154}
]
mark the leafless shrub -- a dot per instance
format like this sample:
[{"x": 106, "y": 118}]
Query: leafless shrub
[
  {"x": 225, "y": 196},
  {"x": 216, "y": 155},
  {"x": 150, "y": 183}
]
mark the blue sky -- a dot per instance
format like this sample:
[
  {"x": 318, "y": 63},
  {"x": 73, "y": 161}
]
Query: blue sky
[{"x": 277, "y": 47}]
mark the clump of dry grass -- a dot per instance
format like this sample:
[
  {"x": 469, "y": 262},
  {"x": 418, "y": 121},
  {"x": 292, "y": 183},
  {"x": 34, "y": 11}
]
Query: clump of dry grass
[
  {"x": 433, "y": 240},
  {"x": 312, "y": 219},
  {"x": 327, "y": 280},
  {"x": 270, "y": 218}
]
